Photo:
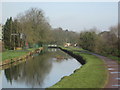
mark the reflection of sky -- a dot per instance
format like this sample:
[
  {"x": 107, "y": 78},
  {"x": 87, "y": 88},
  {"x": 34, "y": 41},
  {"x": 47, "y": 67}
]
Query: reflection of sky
[
  {"x": 58, "y": 70},
  {"x": 0, "y": 79},
  {"x": 7, "y": 84},
  {"x": 61, "y": 69}
]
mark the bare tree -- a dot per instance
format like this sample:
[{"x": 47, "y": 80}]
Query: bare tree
[{"x": 35, "y": 26}]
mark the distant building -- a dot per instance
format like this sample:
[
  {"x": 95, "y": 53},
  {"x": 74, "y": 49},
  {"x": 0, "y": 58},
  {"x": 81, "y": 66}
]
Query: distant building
[
  {"x": 67, "y": 44},
  {"x": 0, "y": 32}
]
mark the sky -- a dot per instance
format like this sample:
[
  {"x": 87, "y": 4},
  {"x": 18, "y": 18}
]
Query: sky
[{"x": 74, "y": 16}]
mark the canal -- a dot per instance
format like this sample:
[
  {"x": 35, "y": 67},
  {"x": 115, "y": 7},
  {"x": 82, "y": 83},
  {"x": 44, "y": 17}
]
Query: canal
[{"x": 41, "y": 71}]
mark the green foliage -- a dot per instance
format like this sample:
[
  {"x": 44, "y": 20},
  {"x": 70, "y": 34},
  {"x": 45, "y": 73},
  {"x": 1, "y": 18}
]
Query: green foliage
[
  {"x": 105, "y": 43},
  {"x": 35, "y": 26},
  {"x": 60, "y": 36},
  {"x": 7, "y": 30},
  {"x": 37, "y": 30},
  {"x": 87, "y": 40},
  {"x": 10, "y": 29},
  {"x": 32, "y": 24}
]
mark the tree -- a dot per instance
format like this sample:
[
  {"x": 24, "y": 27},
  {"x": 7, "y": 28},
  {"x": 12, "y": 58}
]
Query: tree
[
  {"x": 61, "y": 36},
  {"x": 7, "y": 30},
  {"x": 35, "y": 26},
  {"x": 87, "y": 40},
  {"x": 106, "y": 42}
]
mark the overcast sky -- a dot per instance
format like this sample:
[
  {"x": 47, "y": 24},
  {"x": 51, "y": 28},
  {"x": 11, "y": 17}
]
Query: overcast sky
[{"x": 74, "y": 16}]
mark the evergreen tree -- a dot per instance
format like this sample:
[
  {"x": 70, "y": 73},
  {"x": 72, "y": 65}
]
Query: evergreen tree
[{"x": 7, "y": 33}]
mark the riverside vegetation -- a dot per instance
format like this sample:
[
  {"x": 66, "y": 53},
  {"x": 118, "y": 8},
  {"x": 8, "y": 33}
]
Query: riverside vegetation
[
  {"x": 91, "y": 75},
  {"x": 32, "y": 27}
]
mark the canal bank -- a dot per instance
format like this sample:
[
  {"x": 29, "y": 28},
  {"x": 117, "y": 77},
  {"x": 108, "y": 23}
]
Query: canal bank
[
  {"x": 24, "y": 55},
  {"x": 77, "y": 57},
  {"x": 41, "y": 71},
  {"x": 93, "y": 73}
]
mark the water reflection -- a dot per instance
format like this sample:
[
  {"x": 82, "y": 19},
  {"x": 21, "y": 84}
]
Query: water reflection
[
  {"x": 31, "y": 72},
  {"x": 42, "y": 71}
]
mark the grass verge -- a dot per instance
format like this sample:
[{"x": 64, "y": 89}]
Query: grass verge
[
  {"x": 14, "y": 54},
  {"x": 91, "y": 75},
  {"x": 114, "y": 58}
]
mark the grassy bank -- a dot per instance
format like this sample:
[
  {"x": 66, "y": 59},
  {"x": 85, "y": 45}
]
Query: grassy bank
[
  {"x": 91, "y": 75},
  {"x": 14, "y": 54},
  {"x": 114, "y": 58}
]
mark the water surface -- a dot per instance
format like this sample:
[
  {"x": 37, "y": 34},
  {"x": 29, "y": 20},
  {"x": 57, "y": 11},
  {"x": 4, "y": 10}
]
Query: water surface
[{"x": 42, "y": 71}]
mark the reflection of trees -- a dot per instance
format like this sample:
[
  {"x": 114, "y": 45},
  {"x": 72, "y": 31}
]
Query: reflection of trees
[
  {"x": 32, "y": 72},
  {"x": 58, "y": 52},
  {"x": 60, "y": 55}
]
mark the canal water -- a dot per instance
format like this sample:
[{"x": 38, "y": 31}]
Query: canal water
[{"x": 42, "y": 71}]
